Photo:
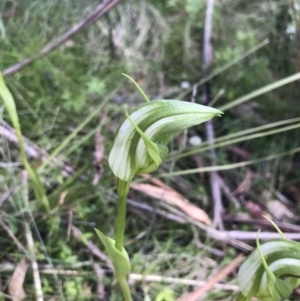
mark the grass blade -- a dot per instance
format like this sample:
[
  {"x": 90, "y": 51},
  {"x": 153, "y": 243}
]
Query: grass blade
[
  {"x": 222, "y": 141},
  {"x": 12, "y": 111},
  {"x": 261, "y": 91},
  {"x": 228, "y": 166}
]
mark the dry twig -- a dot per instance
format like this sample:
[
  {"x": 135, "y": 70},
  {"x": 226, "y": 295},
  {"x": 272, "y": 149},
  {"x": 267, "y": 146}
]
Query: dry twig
[
  {"x": 157, "y": 278},
  {"x": 32, "y": 150},
  {"x": 207, "y": 60},
  {"x": 262, "y": 222},
  {"x": 30, "y": 244},
  {"x": 13, "y": 237},
  {"x": 100, "y": 275},
  {"x": 99, "y": 150},
  {"x": 197, "y": 294},
  {"x": 227, "y": 191}
]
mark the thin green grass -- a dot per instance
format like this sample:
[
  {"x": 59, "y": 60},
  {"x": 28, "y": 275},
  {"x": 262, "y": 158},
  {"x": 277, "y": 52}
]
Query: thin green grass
[
  {"x": 230, "y": 166},
  {"x": 11, "y": 108},
  {"x": 261, "y": 91},
  {"x": 231, "y": 138}
]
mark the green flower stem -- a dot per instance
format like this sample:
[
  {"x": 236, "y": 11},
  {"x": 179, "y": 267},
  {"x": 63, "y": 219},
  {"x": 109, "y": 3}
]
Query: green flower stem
[
  {"x": 125, "y": 289},
  {"x": 140, "y": 146},
  {"x": 122, "y": 188}
]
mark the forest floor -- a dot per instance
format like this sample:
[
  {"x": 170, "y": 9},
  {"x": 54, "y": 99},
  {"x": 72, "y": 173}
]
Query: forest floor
[{"x": 185, "y": 235}]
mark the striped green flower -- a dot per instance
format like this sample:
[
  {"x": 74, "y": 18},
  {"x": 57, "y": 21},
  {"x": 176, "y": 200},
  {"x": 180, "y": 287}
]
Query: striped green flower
[
  {"x": 271, "y": 272},
  {"x": 140, "y": 142},
  {"x": 140, "y": 146}
]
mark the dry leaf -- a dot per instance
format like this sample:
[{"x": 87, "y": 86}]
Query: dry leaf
[
  {"x": 245, "y": 185},
  {"x": 156, "y": 182},
  {"x": 62, "y": 196},
  {"x": 15, "y": 286},
  {"x": 167, "y": 194},
  {"x": 279, "y": 210}
]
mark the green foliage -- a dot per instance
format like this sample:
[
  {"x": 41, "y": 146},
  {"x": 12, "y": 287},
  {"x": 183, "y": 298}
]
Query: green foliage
[
  {"x": 192, "y": 7},
  {"x": 151, "y": 123},
  {"x": 78, "y": 98},
  {"x": 120, "y": 262},
  {"x": 165, "y": 295},
  {"x": 11, "y": 108},
  {"x": 66, "y": 253},
  {"x": 61, "y": 98}
]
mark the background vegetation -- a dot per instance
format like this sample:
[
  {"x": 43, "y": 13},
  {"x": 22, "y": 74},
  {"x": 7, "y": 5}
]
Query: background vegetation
[{"x": 77, "y": 92}]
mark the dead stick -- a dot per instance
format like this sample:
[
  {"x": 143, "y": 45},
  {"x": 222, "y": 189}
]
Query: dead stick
[
  {"x": 30, "y": 244},
  {"x": 181, "y": 281},
  {"x": 31, "y": 149},
  {"x": 13, "y": 237},
  {"x": 207, "y": 60},
  {"x": 100, "y": 276},
  {"x": 98, "y": 12},
  {"x": 197, "y": 294}
]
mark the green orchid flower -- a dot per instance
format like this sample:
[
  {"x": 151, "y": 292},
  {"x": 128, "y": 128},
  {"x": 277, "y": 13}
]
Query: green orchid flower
[
  {"x": 140, "y": 146},
  {"x": 140, "y": 142},
  {"x": 271, "y": 272}
]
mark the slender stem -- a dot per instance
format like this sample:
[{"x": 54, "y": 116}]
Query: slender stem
[
  {"x": 125, "y": 289},
  {"x": 122, "y": 188}
]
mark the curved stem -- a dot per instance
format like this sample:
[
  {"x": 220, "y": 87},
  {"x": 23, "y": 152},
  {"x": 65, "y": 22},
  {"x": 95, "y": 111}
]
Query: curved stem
[
  {"x": 122, "y": 188},
  {"x": 125, "y": 289}
]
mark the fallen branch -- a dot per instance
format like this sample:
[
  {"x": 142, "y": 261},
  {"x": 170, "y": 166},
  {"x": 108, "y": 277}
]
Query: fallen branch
[
  {"x": 197, "y": 294},
  {"x": 13, "y": 237},
  {"x": 30, "y": 244},
  {"x": 100, "y": 279},
  {"x": 32, "y": 150},
  {"x": 209, "y": 128},
  {"x": 157, "y": 278}
]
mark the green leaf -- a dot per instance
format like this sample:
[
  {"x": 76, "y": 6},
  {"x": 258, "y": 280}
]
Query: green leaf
[
  {"x": 241, "y": 297},
  {"x": 12, "y": 111},
  {"x": 275, "y": 226},
  {"x": 95, "y": 85},
  {"x": 2, "y": 29},
  {"x": 119, "y": 259},
  {"x": 262, "y": 90},
  {"x": 165, "y": 295},
  {"x": 282, "y": 289}
]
